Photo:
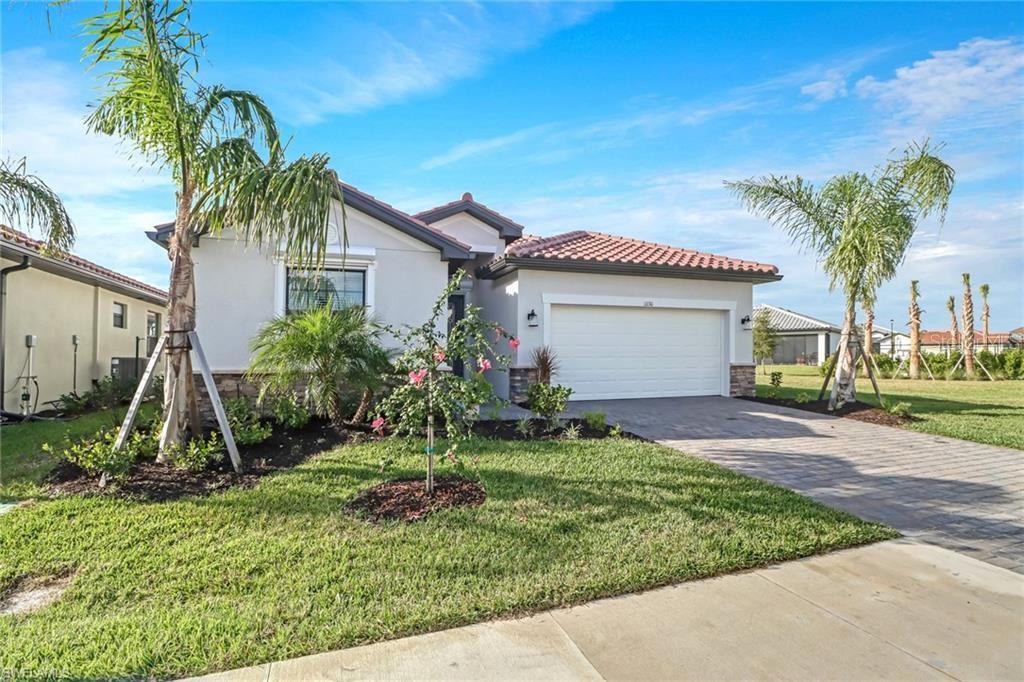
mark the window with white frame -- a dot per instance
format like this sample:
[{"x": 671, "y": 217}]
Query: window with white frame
[{"x": 314, "y": 288}]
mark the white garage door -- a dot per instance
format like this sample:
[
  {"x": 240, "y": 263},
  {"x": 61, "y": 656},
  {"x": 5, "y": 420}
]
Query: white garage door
[{"x": 614, "y": 352}]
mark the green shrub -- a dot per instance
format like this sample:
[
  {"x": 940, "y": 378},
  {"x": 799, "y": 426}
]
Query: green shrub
[
  {"x": 897, "y": 409},
  {"x": 548, "y": 401},
  {"x": 198, "y": 453},
  {"x": 290, "y": 412},
  {"x": 886, "y": 364},
  {"x": 776, "y": 383},
  {"x": 524, "y": 427},
  {"x": 802, "y": 398},
  {"x": 96, "y": 454},
  {"x": 826, "y": 368},
  {"x": 615, "y": 431},
  {"x": 595, "y": 420},
  {"x": 245, "y": 423}
]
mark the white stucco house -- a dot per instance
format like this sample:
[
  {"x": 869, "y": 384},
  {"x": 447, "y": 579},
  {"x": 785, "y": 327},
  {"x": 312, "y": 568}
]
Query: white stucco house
[
  {"x": 627, "y": 318},
  {"x": 802, "y": 339}
]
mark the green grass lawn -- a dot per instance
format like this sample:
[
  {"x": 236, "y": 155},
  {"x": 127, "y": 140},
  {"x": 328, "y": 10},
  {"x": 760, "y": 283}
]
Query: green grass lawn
[
  {"x": 23, "y": 464},
  {"x": 989, "y": 412},
  {"x": 278, "y": 570}
]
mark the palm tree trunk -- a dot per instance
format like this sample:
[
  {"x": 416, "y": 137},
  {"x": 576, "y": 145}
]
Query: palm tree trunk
[
  {"x": 845, "y": 390},
  {"x": 181, "y": 319},
  {"x": 968, "y": 337},
  {"x": 915, "y": 333},
  {"x": 984, "y": 324},
  {"x": 954, "y": 326},
  {"x": 869, "y": 332},
  {"x": 364, "y": 406}
]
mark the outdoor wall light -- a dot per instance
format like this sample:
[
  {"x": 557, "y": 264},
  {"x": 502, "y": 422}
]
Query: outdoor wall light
[
  {"x": 531, "y": 317},
  {"x": 745, "y": 320}
]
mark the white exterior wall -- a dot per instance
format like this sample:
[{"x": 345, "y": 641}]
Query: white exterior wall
[
  {"x": 238, "y": 289},
  {"x": 525, "y": 290},
  {"x": 499, "y": 302}
]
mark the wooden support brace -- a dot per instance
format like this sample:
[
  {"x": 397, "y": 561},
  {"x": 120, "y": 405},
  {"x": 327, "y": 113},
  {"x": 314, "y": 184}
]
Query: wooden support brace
[
  {"x": 140, "y": 393},
  {"x": 218, "y": 407}
]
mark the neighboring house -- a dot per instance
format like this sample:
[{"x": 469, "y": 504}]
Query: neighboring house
[
  {"x": 896, "y": 344},
  {"x": 627, "y": 318},
  {"x": 84, "y": 322},
  {"x": 802, "y": 340},
  {"x": 943, "y": 342}
]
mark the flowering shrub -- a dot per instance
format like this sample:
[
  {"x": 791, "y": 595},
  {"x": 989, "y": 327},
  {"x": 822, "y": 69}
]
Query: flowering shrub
[{"x": 428, "y": 387}]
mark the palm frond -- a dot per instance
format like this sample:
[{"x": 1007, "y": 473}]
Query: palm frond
[
  {"x": 791, "y": 204},
  {"x": 26, "y": 201}
]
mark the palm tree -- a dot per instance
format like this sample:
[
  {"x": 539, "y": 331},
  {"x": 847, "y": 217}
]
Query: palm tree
[
  {"x": 954, "y": 328},
  {"x": 859, "y": 226},
  {"x": 369, "y": 374},
  {"x": 224, "y": 153},
  {"x": 968, "y": 338},
  {"x": 915, "y": 331},
  {"x": 25, "y": 200},
  {"x": 984, "y": 314},
  {"x": 324, "y": 349}
]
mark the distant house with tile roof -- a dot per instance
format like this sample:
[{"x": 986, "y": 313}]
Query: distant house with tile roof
[{"x": 67, "y": 322}]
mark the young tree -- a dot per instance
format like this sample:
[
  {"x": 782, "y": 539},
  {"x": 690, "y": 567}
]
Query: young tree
[
  {"x": 766, "y": 340},
  {"x": 859, "y": 226},
  {"x": 915, "y": 331},
  {"x": 954, "y": 326},
  {"x": 27, "y": 201},
  {"x": 323, "y": 349},
  {"x": 224, "y": 153},
  {"x": 983, "y": 289},
  {"x": 968, "y": 337}
]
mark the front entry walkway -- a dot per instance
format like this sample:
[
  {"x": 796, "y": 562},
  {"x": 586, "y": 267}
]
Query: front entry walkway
[
  {"x": 898, "y": 610},
  {"x": 956, "y": 494}
]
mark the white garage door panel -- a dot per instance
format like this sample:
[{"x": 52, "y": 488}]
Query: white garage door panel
[{"x": 617, "y": 352}]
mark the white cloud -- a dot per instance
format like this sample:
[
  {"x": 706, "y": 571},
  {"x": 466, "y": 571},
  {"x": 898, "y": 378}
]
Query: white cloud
[
  {"x": 470, "y": 148},
  {"x": 829, "y": 88},
  {"x": 979, "y": 75},
  {"x": 44, "y": 108}
]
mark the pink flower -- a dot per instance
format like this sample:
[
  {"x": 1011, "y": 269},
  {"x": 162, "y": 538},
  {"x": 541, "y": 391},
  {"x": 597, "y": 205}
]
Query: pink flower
[
  {"x": 514, "y": 343},
  {"x": 417, "y": 376},
  {"x": 439, "y": 355},
  {"x": 483, "y": 364},
  {"x": 378, "y": 425}
]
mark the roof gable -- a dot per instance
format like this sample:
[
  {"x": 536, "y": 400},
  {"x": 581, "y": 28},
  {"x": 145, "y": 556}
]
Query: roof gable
[
  {"x": 450, "y": 247},
  {"x": 506, "y": 227}
]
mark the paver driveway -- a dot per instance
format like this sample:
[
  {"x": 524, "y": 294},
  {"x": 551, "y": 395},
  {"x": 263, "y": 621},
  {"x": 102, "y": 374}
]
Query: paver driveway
[{"x": 953, "y": 493}]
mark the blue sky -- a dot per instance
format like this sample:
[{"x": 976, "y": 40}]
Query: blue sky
[{"x": 618, "y": 118}]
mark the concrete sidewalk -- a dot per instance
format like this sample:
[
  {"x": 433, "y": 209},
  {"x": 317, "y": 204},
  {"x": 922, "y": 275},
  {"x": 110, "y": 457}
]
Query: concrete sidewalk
[{"x": 894, "y": 610}]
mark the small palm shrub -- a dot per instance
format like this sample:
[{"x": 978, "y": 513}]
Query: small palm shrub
[
  {"x": 524, "y": 427},
  {"x": 571, "y": 432},
  {"x": 326, "y": 350}
]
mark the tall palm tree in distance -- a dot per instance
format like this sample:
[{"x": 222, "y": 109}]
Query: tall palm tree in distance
[
  {"x": 983, "y": 289},
  {"x": 968, "y": 337},
  {"x": 224, "y": 153},
  {"x": 859, "y": 226},
  {"x": 954, "y": 326},
  {"x": 26, "y": 201},
  {"x": 915, "y": 331}
]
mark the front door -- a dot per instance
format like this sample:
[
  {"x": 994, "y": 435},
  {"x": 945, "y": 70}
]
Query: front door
[{"x": 456, "y": 311}]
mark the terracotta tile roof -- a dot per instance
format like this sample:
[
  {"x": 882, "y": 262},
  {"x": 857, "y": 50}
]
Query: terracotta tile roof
[
  {"x": 12, "y": 236},
  {"x": 942, "y": 338},
  {"x": 584, "y": 245}
]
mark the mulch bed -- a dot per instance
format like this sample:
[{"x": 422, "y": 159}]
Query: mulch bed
[
  {"x": 860, "y": 411},
  {"x": 407, "y": 499},
  {"x": 506, "y": 430},
  {"x": 154, "y": 482}
]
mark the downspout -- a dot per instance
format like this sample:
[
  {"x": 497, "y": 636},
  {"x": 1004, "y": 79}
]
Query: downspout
[{"x": 25, "y": 263}]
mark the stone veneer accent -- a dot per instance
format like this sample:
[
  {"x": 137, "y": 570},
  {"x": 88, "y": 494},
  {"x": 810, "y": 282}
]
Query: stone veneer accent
[
  {"x": 229, "y": 385},
  {"x": 519, "y": 381},
  {"x": 741, "y": 380}
]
